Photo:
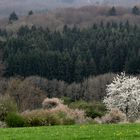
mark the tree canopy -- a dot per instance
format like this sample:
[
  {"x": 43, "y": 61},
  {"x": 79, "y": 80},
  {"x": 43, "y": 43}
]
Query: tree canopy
[{"x": 73, "y": 54}]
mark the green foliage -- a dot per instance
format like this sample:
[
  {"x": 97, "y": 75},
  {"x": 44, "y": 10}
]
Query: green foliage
[
  {"x": 58, "y": 118},
  {"x": 92, "y": 110},
  {"x": 36, "y": 121},
  {"x": 53, "y": 119},
  {"x": 15, "y": 120},
  {"x": 65, "y": 120},
  {"x": 7, "y": 105},
  {"x": 68, "y": 121},
  {"x": 66, "y": 100},
  {"x": 47, "y": 118},
  {"x": 73, "y": 54}
]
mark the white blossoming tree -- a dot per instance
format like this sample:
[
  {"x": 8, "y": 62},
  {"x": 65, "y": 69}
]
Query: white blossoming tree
[{"x": 124, "y": 93}]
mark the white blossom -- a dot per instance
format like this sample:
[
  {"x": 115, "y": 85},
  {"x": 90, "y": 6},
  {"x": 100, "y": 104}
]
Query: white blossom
[{"x": 124, "y": 93}]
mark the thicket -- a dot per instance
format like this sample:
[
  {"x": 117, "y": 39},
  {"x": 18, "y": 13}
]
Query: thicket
[
  {"x": 7, "y": 105},
  {"x": 29, "y": 92},
  {"x": 26, "y": 95},
  {"x": 57, "y": 115}
]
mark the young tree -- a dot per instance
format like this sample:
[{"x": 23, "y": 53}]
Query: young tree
[
  {"x": 13, "y": 16},
  {"x": 30, "y": 13},
  {"x": 124, "y": 93},
  {"x": 112, "y": 11},
  {"x": 135, "y": 10}
]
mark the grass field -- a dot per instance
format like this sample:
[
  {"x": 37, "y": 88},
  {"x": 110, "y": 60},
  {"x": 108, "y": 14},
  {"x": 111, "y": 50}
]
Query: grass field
[{"x": 83, "y": 132}]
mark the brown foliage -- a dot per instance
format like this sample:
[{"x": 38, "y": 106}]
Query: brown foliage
[
  {"x": 26, "y": 95},
  {"x": 82, "y": 17},
  {"x": 92, "y": 88},
  {"x": 7, "y": 105},
  {"x": 29, "y": 92},
  {"x": 114, "y": 116},
  {"x": 59, "y": 114}
]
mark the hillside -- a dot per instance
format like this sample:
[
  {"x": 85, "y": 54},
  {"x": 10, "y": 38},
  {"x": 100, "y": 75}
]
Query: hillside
[
  {"x": 22, "y": 7},
  {"x": 83, "y": 17}
]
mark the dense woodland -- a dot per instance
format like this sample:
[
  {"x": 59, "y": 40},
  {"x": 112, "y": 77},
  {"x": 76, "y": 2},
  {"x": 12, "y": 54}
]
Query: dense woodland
[{"x": 73, "y": 54}]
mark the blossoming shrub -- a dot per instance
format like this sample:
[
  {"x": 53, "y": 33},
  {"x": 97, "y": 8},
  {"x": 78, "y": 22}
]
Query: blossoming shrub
[
  {"x": 51, "y": 103},
  {"x": 54, "y": 112},
  {"x": 76, "y": 114},
  {"x": 114, "y": 116}
]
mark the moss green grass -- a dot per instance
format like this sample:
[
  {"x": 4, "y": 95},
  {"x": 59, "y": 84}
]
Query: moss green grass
[{"x": 74, "y": 132}]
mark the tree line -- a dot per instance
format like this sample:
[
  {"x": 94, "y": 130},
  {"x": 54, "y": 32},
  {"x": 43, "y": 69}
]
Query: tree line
[{"x": 73, "y": 54}]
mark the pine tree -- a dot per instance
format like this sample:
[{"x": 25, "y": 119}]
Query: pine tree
[
  {"x": 112, "y": 11},
  {"x": 30, "y": 13},
  {"x": 13, "y": 16}
]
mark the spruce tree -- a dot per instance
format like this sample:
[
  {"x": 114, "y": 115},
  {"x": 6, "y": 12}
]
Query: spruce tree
[
  {"x": 13, "y": 16},
  {"x": 112, "y": 11}
]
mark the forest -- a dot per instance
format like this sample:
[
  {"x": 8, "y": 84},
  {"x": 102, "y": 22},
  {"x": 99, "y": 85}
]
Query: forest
[
  {"x": 73, "y": 54},
  {"x": 57, "y": 70}
]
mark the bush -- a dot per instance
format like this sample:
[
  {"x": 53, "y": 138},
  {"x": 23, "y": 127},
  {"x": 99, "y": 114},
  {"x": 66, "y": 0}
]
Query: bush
[
  {"x": 66, "y": 100},
  {"x": 35, "y": 121},
  {"x": 41, "y": 117},
  {"x": 75, "y": 114},
  {"x": 7, "y": 105},
  {"x": 15, "y": 120},
  {"x": 2, "y": 124},
  {"x": 92, "y": 110},
  {"x": 51, "y": 103},
  {"x": 54, "y": 113},
  {"x": 114, "y": 116},
  {"x": 68, "y": 121}
]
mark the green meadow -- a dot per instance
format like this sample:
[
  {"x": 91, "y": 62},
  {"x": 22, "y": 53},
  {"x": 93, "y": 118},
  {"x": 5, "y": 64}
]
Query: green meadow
[{"x": 73, "y": 132}]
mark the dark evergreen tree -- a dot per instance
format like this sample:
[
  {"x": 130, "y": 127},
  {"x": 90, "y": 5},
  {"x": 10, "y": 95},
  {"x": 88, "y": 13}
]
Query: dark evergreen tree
[
  {"x": 13, "y": 16},
  {"x": 73, "y": 54},
  {"x": 112, "y": 11},
  {"x": 30, "y": 13},
  {"x": 135, "y": 10}
]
